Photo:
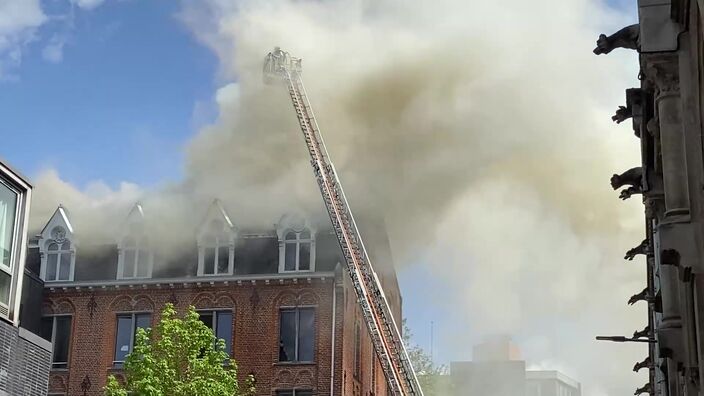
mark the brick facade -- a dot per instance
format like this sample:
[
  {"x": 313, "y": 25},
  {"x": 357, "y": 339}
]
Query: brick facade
[{"x": 255, "y": 304}]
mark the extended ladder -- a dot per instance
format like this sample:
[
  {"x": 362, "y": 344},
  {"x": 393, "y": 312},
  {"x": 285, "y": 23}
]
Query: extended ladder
[{"x": 280, "y": 66}]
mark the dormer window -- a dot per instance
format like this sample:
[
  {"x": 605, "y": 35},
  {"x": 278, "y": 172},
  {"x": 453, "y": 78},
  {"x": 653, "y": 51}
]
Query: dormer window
[
  {"x": 136, "y": 258},
  {"x": 58, "y": 249},
  {"x": 216, "y": 243},
  {"x": 59, "y": 260},
  {"x": 297, "y": 251}
]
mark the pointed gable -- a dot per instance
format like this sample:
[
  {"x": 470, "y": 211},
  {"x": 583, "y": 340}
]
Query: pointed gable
[
  {"x": 58, "y": 227},
  {"x": 216, "y": 217}
]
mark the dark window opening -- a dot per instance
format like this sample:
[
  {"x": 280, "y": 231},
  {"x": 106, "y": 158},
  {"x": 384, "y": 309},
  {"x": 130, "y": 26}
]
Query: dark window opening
[
  {"x": 57, "y": 330},
  {"x": 297, "y": 335}
]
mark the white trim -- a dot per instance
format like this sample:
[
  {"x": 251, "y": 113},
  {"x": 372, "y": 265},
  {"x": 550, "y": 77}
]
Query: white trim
[
  {"x": 298, "y": 241},
  {"x": 223, "y": 238},
  {"x": 18, "y": 254}
]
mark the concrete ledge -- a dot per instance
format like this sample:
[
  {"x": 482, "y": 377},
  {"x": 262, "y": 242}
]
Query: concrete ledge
[{"x": 35, "y": 339}]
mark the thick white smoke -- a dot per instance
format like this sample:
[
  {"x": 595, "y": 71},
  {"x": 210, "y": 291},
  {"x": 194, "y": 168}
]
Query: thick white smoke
[{"x": 479, "y": 128}]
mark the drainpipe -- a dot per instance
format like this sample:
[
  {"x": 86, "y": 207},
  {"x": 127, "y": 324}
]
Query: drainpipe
[{"x": 332, "y": 354}]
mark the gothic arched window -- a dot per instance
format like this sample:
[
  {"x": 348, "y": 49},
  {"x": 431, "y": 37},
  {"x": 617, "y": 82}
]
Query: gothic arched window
[
  {"x": 59, "y": 257},
  {"x": 297, "y": 251}
]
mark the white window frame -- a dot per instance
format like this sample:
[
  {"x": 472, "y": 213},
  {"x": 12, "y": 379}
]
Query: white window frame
[
  {"x": 23, "y": 190},
  {"x": 138, "y": 247},
  {"x": 282, "y": 249},
  {"x": 53, "y": 340},
  {"x": 45, "y": 252},
  {"x": 223, "y": 239}
]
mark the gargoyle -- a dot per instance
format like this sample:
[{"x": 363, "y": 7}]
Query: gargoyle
[
  {"x": 644, "y": 389},
  {"x": 642, "y": 333},
  {"x": 630, "y": 191},
  {"x": 632, "y": 177},
  {"x": 645, "y": 363},
  {"x": 642, "y": 296},
  {"x": 640, "y": 249},
  {"x": 627, "y": 37},
  {"x": 622, "y": 114}
]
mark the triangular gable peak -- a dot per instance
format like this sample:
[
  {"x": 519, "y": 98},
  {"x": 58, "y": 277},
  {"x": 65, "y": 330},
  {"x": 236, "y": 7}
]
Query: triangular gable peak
[
  {"x": 216, "y": 220},
  {"x": 134, "y": 222},
  {"x": 58, "y": 227}
]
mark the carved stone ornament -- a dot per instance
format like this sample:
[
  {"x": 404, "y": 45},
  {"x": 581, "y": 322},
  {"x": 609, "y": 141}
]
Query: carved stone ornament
[
  {"x": 58, "y": 234},
  {"x": 663, "y": 73}
]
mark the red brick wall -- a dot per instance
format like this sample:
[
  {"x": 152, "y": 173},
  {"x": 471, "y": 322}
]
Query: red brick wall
[{"x": 255, "y": 329}]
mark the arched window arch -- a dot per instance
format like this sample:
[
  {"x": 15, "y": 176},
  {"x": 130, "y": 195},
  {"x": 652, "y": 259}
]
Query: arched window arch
[
  {"x": 216, "y": 250},
  {"x": 136, "y": 259},
  {"x": 297, "y": 251},
  {"x": 59, "y": 257}
]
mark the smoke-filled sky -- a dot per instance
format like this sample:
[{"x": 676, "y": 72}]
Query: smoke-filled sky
[{"x": 479, "y": 129}]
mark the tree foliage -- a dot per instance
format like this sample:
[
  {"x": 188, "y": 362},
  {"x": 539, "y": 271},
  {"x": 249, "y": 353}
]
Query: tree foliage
[
  {"x": 430, "y": 376},
  {"x": 179, "y": 357}
]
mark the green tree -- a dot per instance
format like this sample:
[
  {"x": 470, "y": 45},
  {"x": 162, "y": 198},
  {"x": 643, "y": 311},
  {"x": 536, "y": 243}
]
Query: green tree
[
  {"x": 179, "y": 357},
  {"x": 432, "y": 378}
]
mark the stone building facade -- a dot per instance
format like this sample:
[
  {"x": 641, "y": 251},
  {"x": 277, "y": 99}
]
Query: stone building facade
[
  {"x": 667, "y": 114},
  {"x": 280, "y": 298}
]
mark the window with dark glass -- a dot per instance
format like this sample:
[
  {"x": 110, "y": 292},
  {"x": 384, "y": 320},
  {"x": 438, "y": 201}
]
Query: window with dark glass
[
  {"x": 57, "y": 330},
  {"x": 216, "y": 250},
  {"x": 58, "y": 257},
  {"x": 136, "y": 259},
  {"x": 294, "y": 392},
  {"x": 297, "y": 251},
  {"x": 8, "y": 213},
  {"x": 297, "y": 334},
  {"x": 127, "y": 325},
  {"x": 221, "y": 323}
]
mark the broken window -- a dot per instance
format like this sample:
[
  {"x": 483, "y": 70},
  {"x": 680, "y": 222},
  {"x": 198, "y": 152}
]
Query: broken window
[
  {"x": 297, "y": 334},
  {"x": 216, "y": 254},
  {"x": 221, "y": 323}
]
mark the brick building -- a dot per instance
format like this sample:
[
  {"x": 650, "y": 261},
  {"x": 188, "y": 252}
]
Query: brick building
[{"x": 279, "y": 298}]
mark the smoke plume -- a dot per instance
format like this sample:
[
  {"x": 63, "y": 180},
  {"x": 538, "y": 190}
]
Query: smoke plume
[{"x": 479, "y": 129}]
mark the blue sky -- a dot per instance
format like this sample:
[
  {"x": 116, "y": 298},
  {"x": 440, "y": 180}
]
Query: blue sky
[{"x": 129, "y": 91}]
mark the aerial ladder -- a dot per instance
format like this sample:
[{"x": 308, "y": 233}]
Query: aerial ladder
[{"x": 280, "y": 66}]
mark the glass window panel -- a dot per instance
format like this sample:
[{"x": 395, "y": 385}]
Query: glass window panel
[
  {"x": 284, "y": 393},
  {"x": 143, "y": 321},
  {"x": 305, "y": 234},
  {"x": 47, "y": 328},
  {"x": 304, "y": 393},
  {"x": 290, "y": 236},
  {"x": 65, "y": 266},
  {"x": 224, "y": 330},
  {"x": 306, "y": 336},
  {"x": 61, "y": 341},
  {"x": 123, "y": 339},
  {"x": 8, "y": 206},
  {"x": 207, "y": 318},
  {"x": 143, "y": 264},
  {"x": 304, "y": 259},
  {"x": 223, "y": 259},
  {"x": 51, "y": 261},
  {"x": 290, "y": 257},
  {"x": 128, "y": 267},
  {"x": 66, "y": 245},
  {"x": 209, "y": 261},
  {"x": 53, "y": 246},
  {"x": 5, "y": 279},
  {"x": 287, "y": 337}
]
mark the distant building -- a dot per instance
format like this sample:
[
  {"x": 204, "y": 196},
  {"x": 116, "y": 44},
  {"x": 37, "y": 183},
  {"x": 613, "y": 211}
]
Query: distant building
[
  {"x": 25, "y": 358},
  {"x": 498, "y": 371},
  {"x": 551, "y": 383},
  {"x": 278, "y": 297}
]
